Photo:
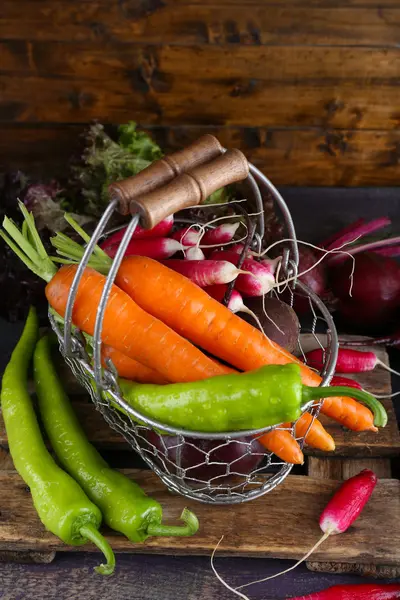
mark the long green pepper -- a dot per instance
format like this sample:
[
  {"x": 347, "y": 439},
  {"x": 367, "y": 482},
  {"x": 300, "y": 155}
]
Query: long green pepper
[
  {"x": 61, "y": 504},
  {"x": 267, "y": 396},
  {"x": 124, "y": 505}
]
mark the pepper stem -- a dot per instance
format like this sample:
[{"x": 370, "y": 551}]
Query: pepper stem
[
  {"x": 315, "y": 393},
  {"x": 190, "y": 527},
  {"x": 91, "y": 533}
]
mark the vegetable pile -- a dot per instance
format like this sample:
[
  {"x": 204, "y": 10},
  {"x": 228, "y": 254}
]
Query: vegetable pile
[{"x": 159, "y": 323}]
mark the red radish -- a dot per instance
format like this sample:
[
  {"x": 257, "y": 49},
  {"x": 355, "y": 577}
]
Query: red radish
[
  {"x": 204, "y": 272},
  {"x": 235, "y": 304},
  {"x": 162, "y": 229},
  {"x": 345, "y": 381},
  {"x": 349, "y": 361},
  {"x": 259, "y": 281},
  {"x": 223, "y": 234},
  {"x": 157, "y": 248},
  {"x": 363, "y": 591},
  {"x": 218, "y": 293},
  {"x": 347, "y": 503},
  {"x": 339, "y": 514},
  {"x": 187, "y": 236},
  {"x": 194, "y": 253},
  {"x": 238, "y": 249}
]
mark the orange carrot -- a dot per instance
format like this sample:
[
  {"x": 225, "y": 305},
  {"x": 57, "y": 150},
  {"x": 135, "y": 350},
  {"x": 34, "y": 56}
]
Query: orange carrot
[
  {"x": 317, "y": 436},
  {"x": 190, "y": 311},
  {"x": 282, "y": 443},
  {"x": 129, "y": 329},
  {"x": 130, "y": 368}
]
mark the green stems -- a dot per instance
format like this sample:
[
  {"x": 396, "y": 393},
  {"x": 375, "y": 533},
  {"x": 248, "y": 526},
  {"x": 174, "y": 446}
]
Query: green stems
[
  {"x": 92, "y": 534},
  {"x": 190, "y": 527},
  {"x": 28, "y": 246},
  {"x": 316, "y": 393}
]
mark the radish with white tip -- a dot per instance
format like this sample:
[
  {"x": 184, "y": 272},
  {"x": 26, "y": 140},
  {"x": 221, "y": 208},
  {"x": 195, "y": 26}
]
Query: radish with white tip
[
  {"x": 258, "y": 278},
  {"x": 157, "y": 248}
]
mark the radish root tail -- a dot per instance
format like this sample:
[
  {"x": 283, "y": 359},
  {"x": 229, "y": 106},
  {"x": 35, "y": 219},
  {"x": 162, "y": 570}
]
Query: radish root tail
[
  {"x": 382, "y": 364},
  {"x": 320, "y": 541}
]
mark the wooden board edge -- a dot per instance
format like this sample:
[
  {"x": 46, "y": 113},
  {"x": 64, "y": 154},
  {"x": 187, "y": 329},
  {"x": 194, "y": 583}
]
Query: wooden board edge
[{"x": 365, "y": 570}]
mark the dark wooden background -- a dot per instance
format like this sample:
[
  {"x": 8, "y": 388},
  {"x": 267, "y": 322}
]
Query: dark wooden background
[{"x": 309, "y": 89}]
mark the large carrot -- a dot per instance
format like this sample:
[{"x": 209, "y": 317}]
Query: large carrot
[
  {"x": 189, "y": 310},
  {"x": 129, "y": 329}
]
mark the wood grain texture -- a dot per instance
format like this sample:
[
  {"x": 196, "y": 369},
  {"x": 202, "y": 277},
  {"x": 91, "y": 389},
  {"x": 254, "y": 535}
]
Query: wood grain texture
[
  {"x": 152, "y": 577},
  {"x": 269, "y": 529},
  {"x": 375, "y": 571},
  {"x": 240, "y": 85},
  {"x": 336, "y": 468},
  {"x": 27, "y": 557},
  {"x": 315, "y": 156},
  {"x": 308, "y": 87},
  {"x": 216, "y": 23}
]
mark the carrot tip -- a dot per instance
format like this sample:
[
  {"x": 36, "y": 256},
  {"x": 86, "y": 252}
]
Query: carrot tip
[{"x": 373, "y": 428}]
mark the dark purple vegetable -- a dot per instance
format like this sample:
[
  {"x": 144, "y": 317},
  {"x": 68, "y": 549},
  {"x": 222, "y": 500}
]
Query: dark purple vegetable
[
  {"x": 282, "y": 326},
  {"x": 375, "y": 293},
  {"x": 192, "y": 455}
]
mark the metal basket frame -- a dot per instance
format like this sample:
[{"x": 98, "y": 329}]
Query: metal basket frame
[{"x": 102, "y": 383}]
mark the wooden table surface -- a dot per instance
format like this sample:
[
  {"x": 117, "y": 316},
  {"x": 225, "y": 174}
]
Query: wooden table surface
[{"x": 144, "y": 577}]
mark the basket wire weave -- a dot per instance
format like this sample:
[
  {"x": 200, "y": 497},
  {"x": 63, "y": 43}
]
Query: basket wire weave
[{"x": 219, "y": 468}]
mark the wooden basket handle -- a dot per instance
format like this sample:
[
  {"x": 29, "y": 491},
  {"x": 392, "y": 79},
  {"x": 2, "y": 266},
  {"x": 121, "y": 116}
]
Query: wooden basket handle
[
  {"x": 191, "y": 188},
  {"x": 164, "y": 170}
]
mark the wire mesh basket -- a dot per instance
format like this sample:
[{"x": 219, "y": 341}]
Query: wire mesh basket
[{"x": 221, "y": 468}]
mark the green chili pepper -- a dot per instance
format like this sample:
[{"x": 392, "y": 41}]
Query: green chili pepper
[
  {"x": 62, "y": 506},
  {"x": 268, "y": 396},
  {"x": 124, "y": 505}
]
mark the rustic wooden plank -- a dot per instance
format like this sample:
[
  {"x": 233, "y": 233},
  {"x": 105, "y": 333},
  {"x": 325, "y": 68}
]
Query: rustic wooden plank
[
  {"x": 169, "y": 22},
  {"x": 306, "y": 3},
  {"x": 286, "y": 64},
  {"x": 27, "y": 557},
  {"x": 288, "y": 156},
  {"x": 376, "y": 571},
  {"x": 267, "y": 527},
  {"x": 318, "y": 156},
  {"x": 322, "y": 87},
  {"x": 336, "y": 468}
]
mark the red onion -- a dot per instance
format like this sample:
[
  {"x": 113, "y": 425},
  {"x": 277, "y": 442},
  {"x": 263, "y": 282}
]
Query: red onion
[{"x": 375, "y": 291}]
